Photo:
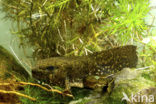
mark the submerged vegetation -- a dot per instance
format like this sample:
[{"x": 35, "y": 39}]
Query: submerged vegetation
[{"x": 78, "y": 28}]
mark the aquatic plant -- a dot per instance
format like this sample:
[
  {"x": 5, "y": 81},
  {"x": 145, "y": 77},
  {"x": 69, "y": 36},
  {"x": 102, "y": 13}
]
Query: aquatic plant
[
  {"x": 79, "y": 27},
  {"x": 76, "y": 27}
]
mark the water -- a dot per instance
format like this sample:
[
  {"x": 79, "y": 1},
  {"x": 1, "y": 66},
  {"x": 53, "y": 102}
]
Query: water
[
  {"x": 151, "y": 16},
  {"x": 11, "y": 43}
]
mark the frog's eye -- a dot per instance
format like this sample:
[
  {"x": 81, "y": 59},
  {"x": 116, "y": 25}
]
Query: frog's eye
[{"x": 50, "y": 68}]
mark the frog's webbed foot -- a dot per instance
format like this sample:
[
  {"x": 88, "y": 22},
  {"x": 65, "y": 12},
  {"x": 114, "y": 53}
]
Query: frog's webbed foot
[{"x": 108, "y": 88}]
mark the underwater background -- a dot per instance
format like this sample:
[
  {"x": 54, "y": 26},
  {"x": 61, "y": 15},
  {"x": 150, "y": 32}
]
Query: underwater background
[
  {"x": 9, "y": 41},
  {"x": 24, "y": 57}
]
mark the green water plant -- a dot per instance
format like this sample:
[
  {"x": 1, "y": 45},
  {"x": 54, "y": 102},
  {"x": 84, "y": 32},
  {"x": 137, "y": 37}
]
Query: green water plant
[{"x": 76, "y": 27}]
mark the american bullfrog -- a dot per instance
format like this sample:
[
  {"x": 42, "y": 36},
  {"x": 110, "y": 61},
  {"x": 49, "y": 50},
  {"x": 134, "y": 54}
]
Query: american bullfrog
[{"x": 85, "y": 71}]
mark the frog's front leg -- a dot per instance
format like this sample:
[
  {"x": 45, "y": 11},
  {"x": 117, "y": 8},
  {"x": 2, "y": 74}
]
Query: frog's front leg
[
  {"x": 74, "y": 83},
  {"x": 67, "y": 86}
]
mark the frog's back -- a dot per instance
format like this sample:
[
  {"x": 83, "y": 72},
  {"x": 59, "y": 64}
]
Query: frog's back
[{"x": 113, "y": 60}]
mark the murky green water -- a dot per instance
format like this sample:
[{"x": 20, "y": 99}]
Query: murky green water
[{"x": 11, "y": 42}]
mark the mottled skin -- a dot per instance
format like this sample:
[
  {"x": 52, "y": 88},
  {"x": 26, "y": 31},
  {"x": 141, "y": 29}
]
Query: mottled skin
[{"x": 75, "y": 71}]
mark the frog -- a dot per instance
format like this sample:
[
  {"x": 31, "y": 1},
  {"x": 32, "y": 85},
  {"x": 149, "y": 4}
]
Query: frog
[{"x": 92, "y": 71}]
